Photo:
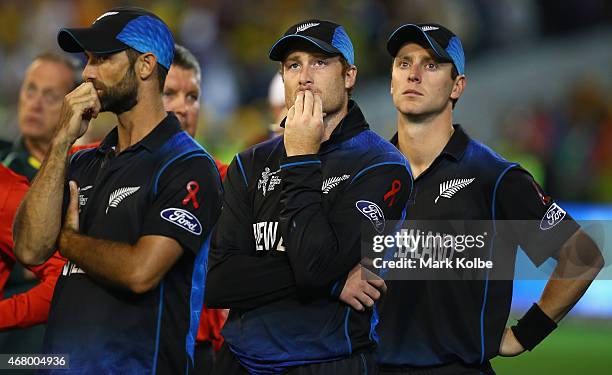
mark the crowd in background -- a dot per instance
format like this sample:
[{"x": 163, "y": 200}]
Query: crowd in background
[
  {"x": 560, "y": 142},
  {"x": 567, "y": 145}
]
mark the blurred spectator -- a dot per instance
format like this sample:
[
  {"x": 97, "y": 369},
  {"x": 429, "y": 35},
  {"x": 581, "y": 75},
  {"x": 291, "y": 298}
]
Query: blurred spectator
[
  {"x": 47, "y": 80},
  {"x": 182, "y": 89},
  {"x": 567, "y": 143},
  {"x": 276, "y": 101},
  {"x": 230, "y": 39},
  {"x": 181, "y": 95}
]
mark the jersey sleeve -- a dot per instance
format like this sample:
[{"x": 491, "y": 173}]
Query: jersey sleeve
[
  {"x": 238, "y": 277},
  {"x": 324, "y": 243},
  {"x": 538, "y": 223},
  {"x": 185, "y": 202}
]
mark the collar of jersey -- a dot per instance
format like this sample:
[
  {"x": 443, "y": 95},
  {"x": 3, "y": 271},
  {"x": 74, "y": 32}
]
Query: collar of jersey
[
  {"x": 352, "y": 124},
  {"x": 151, "y": 142},
  {"x": 456, "y": 144}
]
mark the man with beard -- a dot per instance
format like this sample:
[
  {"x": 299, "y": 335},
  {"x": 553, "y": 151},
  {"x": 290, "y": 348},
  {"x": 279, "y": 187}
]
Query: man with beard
[
  {"x": 285, "y": 257},
  {"x": 136, "y": 213}
]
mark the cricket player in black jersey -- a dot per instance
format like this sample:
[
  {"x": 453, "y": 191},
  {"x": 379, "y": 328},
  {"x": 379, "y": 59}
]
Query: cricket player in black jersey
[
  {"x": 285, "y": 255},
  {"x": 456, "y": 327},
  {"x": 134, "y": 223}
]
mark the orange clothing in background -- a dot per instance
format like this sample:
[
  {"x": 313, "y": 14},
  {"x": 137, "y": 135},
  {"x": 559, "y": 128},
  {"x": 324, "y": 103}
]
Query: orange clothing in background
[{"x": 32, "y": 307}]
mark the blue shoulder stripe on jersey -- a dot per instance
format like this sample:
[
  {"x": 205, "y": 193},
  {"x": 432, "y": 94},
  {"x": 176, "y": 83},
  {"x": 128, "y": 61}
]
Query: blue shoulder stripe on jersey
[
  {"x": 80, "y": 153},
  {"x": 160, "y": 310},
  {"x": 212, "y": 162},
  {"x": 378, "y": 165},
  {"x": 484, "y": 299},
  {"x": 300, "y": 163},
  {"x": 198, "y": 289},
  {"x": 178, "y": 146},
  {"x": 167, "y": 164},
  {"x": 346, "y": 333},
  {"x": 246, "y": 181}
]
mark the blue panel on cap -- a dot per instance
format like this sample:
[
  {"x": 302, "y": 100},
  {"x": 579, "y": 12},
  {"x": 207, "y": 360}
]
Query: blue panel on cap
[
  {"x": 455, "y": 51},
  {"x": 343, "y": 43},
  {"x": 148, "y": 34}
]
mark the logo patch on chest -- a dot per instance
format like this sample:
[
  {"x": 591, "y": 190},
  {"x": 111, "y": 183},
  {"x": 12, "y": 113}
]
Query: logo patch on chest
[
  {"x": 119, "y": 195},
  {"x": 449, "y": 188},
  {"x": 332, "y": 182},
  {"x": 268, "y": 181},
  {"x": 83, "y": 197}
]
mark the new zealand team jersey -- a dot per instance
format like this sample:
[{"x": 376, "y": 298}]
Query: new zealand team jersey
[
  {"x": 442, "y": 322},
  {"x": 164, "y": 185},
  {"x": 288, "y": 235}
]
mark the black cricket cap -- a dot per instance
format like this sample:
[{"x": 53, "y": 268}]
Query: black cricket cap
[
  {"x": 119, "y": 29},
  {"x": 329, "y": 37},
  {"x": 444, "y": 42}
]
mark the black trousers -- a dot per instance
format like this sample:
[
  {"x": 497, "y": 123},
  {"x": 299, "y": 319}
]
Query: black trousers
[
  {"x": 361, "y": 363},
  {"x": 449, "y": 369}
]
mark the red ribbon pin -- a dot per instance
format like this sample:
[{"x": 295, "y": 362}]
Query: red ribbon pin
[
  {"x": 192, "y": 189},
  {"x": 396, "y": 186}
]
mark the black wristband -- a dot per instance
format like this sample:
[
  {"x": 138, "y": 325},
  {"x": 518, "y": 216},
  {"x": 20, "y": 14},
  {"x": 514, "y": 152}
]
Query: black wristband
[{"x": 533, "y": 327}]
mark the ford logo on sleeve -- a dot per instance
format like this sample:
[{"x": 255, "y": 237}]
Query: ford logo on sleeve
[
  {"x": 183, "y": 219},
  {"x": 552, "y": 217},
  {"x": 373, "y": 213}
]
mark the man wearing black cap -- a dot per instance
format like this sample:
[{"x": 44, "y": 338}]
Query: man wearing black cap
[
  {"x": 135, "y": 220},
  {"x": 441, "y": 326},
  {"x": 285, "y": 257}
]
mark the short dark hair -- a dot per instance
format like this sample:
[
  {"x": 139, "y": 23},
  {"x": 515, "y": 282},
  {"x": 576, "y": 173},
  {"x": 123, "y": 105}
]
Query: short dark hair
[
  {"x": 162, "y": 72},
  {"x": 183, "y": 58},
  {"x": 70, "y": 63}
]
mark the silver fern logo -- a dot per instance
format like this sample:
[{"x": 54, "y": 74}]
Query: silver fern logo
[
  {"x": 305, "y": 27},
  {"x": 429, "y": 28},
  {"x": 449, "y": 188},
  {"x": 119, "y": 195},
  {"x": 332, "y": 182}
]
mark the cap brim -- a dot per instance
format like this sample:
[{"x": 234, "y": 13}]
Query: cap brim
[
  {"x": 88, "y": 39},
  {"x": 283, "y": 45},
  {"x": 413, "y": 33}
]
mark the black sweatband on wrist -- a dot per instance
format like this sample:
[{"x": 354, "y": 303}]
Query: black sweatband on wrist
[{"x": 533, "y": 327}]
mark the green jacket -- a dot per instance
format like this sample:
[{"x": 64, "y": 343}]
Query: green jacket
[{"x": 19, "y": 160}]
